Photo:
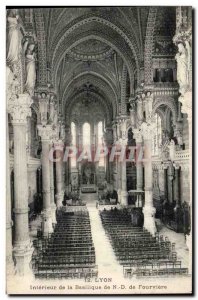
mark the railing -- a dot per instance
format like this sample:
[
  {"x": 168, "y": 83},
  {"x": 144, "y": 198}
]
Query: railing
[
  {"x": 182, "y": 154},
  {"x": 165, "y": 88}
]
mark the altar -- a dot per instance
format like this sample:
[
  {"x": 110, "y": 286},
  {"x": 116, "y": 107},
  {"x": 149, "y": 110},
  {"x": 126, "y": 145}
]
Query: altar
[
  {"x": 136, "y": 197},
  {"x": 88, "y": 178},
  {"x": 88, "y": 188}
]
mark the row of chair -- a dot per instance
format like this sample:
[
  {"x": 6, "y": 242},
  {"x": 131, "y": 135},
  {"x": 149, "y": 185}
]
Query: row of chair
[
  {"x": 68, "y": 252},
  {"x": 137, "y": 250}
]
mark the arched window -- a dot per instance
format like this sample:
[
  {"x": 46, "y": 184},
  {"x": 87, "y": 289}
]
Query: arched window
[
  {"x": 157, "y": 135},
  {"x": 73, "y": 133},
  {"x": 86, "y": 134},
  {"x": 100, "y": 143}
]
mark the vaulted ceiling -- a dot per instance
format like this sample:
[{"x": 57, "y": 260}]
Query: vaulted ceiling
[{"x": 93, "y": 51}]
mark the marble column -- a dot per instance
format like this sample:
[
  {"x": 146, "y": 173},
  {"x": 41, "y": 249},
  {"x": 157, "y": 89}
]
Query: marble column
[
  {"x": 45, "y": 132},
  {"x": 124, "y": 194},
  {"x": 59, "y": 174},
  {"x": 148, "y": 209},
  {"x": 139, "y": 166},
  {"x": 119, "y": 179},
  {"x": 107, "y": 168},
  {"x": 53, "y": 205},
  {"x": 9, "y": 258},
  {"x": 123, "y": 143},
  {"x": 183, "y": 39},
  {"x": 19, "y": 109}
]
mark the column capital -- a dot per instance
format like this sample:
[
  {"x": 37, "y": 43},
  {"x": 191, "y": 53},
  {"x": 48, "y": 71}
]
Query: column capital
[
  {"x": 45, "y": 132},
  {"x": 183, "y": 36},
  {"x": 19, "y": 108}
]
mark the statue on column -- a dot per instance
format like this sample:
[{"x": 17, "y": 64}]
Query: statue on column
[
  {"x": 14, "y": 37},
  {"x": 118, "y": 130},
  {"x": 189, "y": 63},
  {"x": 182, "y": 67},
  {"x": 149, "y": 105},
  {"x": 172, "y": 150},
  {"x": 30, "y": 59},
  {"x": 43, "y": 107},
  {"x": 11, "y": 83},
  {"x": 139, "y": 109}
]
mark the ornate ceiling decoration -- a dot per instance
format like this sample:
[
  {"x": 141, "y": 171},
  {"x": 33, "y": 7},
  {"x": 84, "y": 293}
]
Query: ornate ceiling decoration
[{"x": 91, "y": 50}]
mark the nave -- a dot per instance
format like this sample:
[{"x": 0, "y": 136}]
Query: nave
[
  {"x": 89, "y": 243},
  {"x": 99, "y": 142}
]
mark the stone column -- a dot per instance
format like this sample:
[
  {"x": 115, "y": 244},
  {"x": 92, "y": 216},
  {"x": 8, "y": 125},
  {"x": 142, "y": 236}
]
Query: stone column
[
  {"x": 9, "y": 259},
  {"x": 59, "y": 173},
  {"x": 53, "y": 205},
  {"x": 148, "y": 210},
  {"x": 139, "y": 165},
  {"x": 19, "y": 109},
  {"x": 183, "y": 39},
  {"x": 123, "y": 143},
  {"x": 45, "y": 132},
  {"x": 124, "y": 194},
  {"x": 119, "y": 179}
]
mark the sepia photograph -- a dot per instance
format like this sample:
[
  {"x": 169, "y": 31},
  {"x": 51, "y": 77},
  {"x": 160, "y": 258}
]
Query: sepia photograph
[{"x": 99, "y": 122}]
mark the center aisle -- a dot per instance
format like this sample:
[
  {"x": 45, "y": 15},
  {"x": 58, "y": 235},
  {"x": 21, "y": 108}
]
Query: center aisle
[{"x": 105, "y": 258}]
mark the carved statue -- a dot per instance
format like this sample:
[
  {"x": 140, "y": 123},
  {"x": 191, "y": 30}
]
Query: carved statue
[
  {"x": 139, "y": 110},
  {"x": 117, "y": 131},
  {"x": 182, "y": 67},
  {"x": 189, "y": 63},
  {"x": 30, "y": 69},
  {"x": 172, "y": 150},
  {"x": 14, "y": 37},
  {"x": 11, "y": 83}
]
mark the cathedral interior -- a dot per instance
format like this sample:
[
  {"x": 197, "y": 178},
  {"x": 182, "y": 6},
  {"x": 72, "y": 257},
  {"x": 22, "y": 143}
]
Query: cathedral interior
[{"x": 81, "y": 79}]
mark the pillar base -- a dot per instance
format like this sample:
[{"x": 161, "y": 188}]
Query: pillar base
[
  {"x": 124, "y": 198},
  {"x": 149, "y": 219},
  {"x": 47, "y": 222},
  {"x": 53, "y": 211},
  {"x": 189, "y": 246},
  {"x": 59, "y": 199},
  {"x": 10, "y": 268},
  {"x": 23, "y": 255}
]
